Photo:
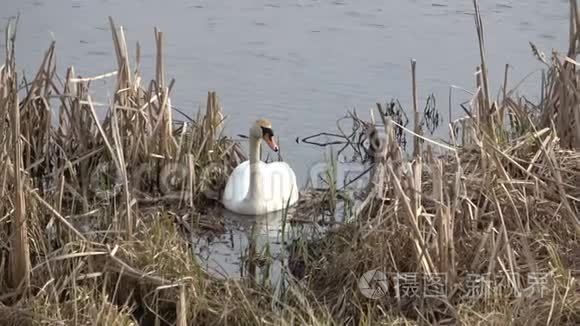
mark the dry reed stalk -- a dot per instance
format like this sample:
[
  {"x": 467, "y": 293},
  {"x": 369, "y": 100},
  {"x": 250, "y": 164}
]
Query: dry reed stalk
[
  {"x": 121, "y": 168},
  {"x": 420, "y": 248},
  {"x": 442, "y": 218},
  {"x": 191, "y": 180},
  {"x": 484, "y": 74},
  {"x": 11, "y": 162},
  {"x": 20, "y": 255},
  {"x": 502, "y": 112},
  {"x": 124, "y": 74},
  {"x": 182, "y": 308},
  {"x": 56, "y": 214},
  {"x": 115, "y": 155},
  {"x": 209, "y": 117},
  {"x": 416, "y": 119},
  {"x": 164, "y": 101}
]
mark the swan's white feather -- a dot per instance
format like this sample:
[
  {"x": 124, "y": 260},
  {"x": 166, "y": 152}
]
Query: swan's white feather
[{"x": 278, "y": 186}]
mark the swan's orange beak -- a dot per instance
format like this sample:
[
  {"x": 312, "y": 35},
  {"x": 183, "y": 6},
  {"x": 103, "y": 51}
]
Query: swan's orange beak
[{"x": 271, "y": 142}]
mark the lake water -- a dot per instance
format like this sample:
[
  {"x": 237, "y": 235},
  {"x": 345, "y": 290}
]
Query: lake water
[{"x": 301, "y": 64}]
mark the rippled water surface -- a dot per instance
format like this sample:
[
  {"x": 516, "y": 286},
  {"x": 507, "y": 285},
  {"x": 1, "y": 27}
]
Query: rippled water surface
[{"x": 301, "y": 64}]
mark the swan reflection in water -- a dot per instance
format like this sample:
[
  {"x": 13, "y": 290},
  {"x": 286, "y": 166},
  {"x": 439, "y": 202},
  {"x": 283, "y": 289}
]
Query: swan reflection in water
[{"x": 250, "y": 243}]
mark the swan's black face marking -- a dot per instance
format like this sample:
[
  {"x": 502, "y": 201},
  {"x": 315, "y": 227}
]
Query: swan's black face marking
[
  {"x": 268, "y": 136},
  {"x": 267, "y": 132}
]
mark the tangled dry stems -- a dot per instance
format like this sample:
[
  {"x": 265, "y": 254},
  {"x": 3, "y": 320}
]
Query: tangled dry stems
[{"x": 108, "y": 250}]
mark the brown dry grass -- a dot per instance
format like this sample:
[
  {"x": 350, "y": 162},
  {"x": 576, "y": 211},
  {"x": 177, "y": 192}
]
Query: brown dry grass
[{"x": 104, "y": 221}]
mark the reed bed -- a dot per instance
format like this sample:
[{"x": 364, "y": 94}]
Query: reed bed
[{"x": 98, "y": 200}]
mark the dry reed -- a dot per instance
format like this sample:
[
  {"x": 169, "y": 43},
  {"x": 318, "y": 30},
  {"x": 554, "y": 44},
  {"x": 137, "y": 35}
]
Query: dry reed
[{"x": 93, "y": 209}]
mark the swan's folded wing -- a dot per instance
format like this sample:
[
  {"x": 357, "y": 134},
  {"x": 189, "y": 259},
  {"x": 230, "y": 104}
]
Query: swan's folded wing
[
  {"x": 238, "y": 184},
  {"x": 279, "y": 185}
]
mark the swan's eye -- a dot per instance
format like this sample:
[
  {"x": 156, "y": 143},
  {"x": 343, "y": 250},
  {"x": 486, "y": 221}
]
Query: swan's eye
[{"x": 267, "y": 132}]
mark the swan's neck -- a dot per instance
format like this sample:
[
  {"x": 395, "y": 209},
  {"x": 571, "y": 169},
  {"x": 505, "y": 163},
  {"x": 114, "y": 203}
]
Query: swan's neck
[{"x": 255, "y": 190}]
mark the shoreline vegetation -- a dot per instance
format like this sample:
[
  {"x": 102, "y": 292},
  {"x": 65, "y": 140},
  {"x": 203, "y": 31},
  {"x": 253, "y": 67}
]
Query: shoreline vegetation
[{"x": 96, "y": 212}]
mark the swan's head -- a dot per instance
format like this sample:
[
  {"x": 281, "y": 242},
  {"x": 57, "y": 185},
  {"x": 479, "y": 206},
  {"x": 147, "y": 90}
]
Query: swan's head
[{"x": 262, "y": 129}]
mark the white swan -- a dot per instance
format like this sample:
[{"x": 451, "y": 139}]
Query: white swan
[{"x": 256, "y": 188}]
